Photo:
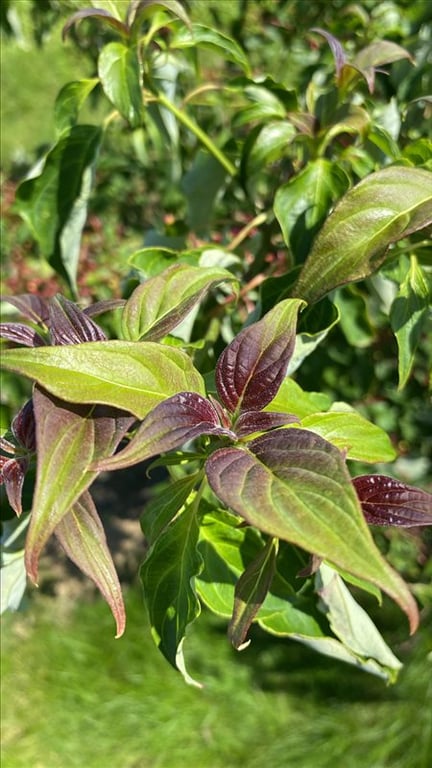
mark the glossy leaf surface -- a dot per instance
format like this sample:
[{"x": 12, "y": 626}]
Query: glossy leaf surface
[
  {"x": 172, "y": 423},
  {"x": 251, "y": 369},
  {"x": 382, "y": 209},
  {"x": 163, "y": 301},
  {"x": 294, "y": 485},
  {"x": 120, "y": 75},
  {"x": 386, "y": 501}
]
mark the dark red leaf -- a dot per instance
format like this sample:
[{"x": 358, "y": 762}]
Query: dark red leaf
[
  {"x": 12, "y": 474},
  {"x": 386, "y": 501},
  {"x": 21, "y": 334},
  {"x": 96, "y": 13},
  {"x": 24, "y": 427},
  {"x": 34, "y": 308},
  {"x": 251, "y": 369},
  {"x": 261, "y": 421},
  {"x": 70, "y": 325},
  {"x": 172, "y": 423}
]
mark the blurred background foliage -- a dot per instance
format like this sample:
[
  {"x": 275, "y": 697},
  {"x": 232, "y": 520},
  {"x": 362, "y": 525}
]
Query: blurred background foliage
[{"x": 72, "y": 696}]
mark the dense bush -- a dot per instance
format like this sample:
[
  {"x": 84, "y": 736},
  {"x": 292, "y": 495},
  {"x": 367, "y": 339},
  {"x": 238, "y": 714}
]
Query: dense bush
[{"x": 268, "y": 339}]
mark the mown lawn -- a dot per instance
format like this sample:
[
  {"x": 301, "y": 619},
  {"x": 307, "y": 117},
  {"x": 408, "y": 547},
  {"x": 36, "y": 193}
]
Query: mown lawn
[{"x": 74, "y": 696}]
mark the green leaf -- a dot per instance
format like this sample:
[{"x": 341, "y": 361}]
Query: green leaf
[
  {"x": 295, "y": 486},
  {"x": 302, "y": 204},
  {"x": 165, "y": 505},
  {"x": 54, "y": 204},
  {"x": 250, "y": 593},
  {"x": 69, "y": 102},
  {"x": 201, "y": 36},
  {"x": 141, "y": 9},
  {"x": 353, "y": 627},
  {"x": 120, "y": 75},
  {"x": 69, "y": 439},
  {"x": 314, "y": 325},
  {"x": 163, "y": 301},
  {"x": 355, "y": 436},
  {"x": 201, "y": 184},
  {"x": 409, "y": 314},
  {"x": 134, "y": 376},
  {"x": 383, "y": 208},
  {"x": 82, "y": 536},
  {"x": 265, "y": 145},
  {"x": 168, "y": 574},
  {"x": 291, "y": 398}
]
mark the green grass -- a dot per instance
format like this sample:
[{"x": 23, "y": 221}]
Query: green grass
[{"x": 74, "y": 696}]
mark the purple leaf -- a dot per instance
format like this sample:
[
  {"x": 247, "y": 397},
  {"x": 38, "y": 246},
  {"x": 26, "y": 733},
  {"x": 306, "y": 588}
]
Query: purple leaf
[
  {"x": 386, "y": 501},
  {"x": 82, "y": 536},
  {"x": 12, "y": 474},
  {"x": 106, "y": 305},
  {"x": 251, "y": 369},
  {"x": 336, "y": 49},
  {"x": 70, "y": 325},
  {"x": 21, "y": 334},
  {"x": 34, "y": 308},
  {"x": 24, "y": 428},
  {"x": 261, "y": 421},
  {"x": 172, "y": 423}
]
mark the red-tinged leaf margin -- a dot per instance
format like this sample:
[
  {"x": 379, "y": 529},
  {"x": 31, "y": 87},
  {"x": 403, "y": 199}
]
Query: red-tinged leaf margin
[
  {"x": 82, "y": 537},
  {"x": 294, "y": 485},
  {"x": 251, "y": 369},
  {"x": 169, "y": 425},
  {"x": 250, "y": 593},
  {"x": 386, "y": 501},
  {"x": 97, "y": 13},
  {"x": 69, "y": 438}
]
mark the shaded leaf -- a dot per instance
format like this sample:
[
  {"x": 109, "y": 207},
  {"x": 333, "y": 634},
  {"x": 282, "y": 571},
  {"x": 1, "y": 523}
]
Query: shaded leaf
[
  {"x": 250, "y": 370},
  {"x": 386, "y": 501},
  {"x": 32, "y": 307},
  {"x": 408, "y": 316},
  {"x": 201, "y": 185},
  {"x": 165, "y": 505},
  {"x": 134, "y": 376},
  {"x": 250, "y": 593},
  {"x": 120, "y": 74},
  {"x": 82, "y": 536},
  {"x": 383, "y": 208},
  {"x": 172, "y": 423},
  {"x": 12, "y": 474},
  {"x": 200, "y": 36},
  {"x": 302, "y": 204},
  {"x": 294, "y": 485},
  {"x": 163, "y": 301},
  {"x": 69, "y": 102},
  {"x": 97, "y": 13},
  {"x": 54, "y": 204},
  {"x": 167, "y": 576}
]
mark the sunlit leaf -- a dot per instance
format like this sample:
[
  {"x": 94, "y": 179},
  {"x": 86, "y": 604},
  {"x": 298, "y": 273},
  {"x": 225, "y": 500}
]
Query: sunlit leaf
[
  {"x": 386, "y": 501},
  {"x": 69, "y": 102},
  {"x": 172, "y": 423},
  {"x": 134, "y": 376},
  {"x": 383, "y": 208},
  {"x": 294, "y": 485},
  {"x": 120, "y": 74},
  {"x": 201, "y": 36},
  {"x": 251, "y": 369},
  {"x": 354, "y": 435},
  {"x": 82, "y": 536},
  {"x": 163, "y": 301}
]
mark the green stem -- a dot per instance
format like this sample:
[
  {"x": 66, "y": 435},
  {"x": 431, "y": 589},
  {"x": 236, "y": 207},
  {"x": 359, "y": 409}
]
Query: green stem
[{"x": 182, "y": 117}]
